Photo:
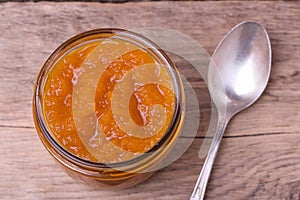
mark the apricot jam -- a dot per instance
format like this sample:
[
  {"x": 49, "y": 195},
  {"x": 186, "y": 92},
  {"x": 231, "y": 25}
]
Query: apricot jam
[{"x": 107, "y": 97}]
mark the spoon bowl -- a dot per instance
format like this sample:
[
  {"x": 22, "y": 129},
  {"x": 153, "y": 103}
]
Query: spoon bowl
[
  {"x": 242, "y": 64},
  {"x": 238, "y": 74}
]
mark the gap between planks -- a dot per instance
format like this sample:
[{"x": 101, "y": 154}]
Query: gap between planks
[{"x": 197, "y": 137}]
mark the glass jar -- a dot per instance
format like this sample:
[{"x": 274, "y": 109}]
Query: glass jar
[{"x": 116, "y": 175}]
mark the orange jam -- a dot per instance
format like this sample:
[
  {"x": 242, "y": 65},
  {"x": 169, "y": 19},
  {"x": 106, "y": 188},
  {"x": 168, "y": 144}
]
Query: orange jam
[{"x": 108, "y": 101}]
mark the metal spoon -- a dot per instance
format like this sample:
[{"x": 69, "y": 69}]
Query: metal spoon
[{"x": 239, "y": 76}]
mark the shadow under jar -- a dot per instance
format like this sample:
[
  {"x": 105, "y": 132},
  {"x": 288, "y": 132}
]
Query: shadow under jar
[{"x": 108, "y": 105}]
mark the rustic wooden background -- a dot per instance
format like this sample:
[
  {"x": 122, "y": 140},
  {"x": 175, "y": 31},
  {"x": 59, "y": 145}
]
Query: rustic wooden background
[{"x": 260, "y": 154}]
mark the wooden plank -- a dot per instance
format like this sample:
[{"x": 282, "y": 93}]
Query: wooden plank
[
  {"x": 262, "y": 167},
  {"x": 30, "y": 31}
]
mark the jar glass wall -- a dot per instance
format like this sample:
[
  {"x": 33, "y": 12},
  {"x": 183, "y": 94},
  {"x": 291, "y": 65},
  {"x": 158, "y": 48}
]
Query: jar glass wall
[{"x": 110, "y": 175}]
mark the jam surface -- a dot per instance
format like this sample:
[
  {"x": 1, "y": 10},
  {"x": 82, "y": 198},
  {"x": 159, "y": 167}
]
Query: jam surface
[{"x": 108, "y": 101}]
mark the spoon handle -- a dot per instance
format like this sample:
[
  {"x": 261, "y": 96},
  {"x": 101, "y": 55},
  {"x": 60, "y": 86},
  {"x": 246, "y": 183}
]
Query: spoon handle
[{"x": 200, "y": 187}]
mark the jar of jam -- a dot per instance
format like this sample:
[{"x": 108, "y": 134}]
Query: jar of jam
[{"x": 108, "y": 105}]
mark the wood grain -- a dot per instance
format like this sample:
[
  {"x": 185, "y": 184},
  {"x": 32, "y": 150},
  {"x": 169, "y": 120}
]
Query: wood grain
[
  {"x": 264, "y": 167},
  {"x": 260, "y": 154}
]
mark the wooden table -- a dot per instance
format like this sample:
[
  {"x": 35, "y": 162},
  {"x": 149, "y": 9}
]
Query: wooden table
[{"x": 259, "y": 157}]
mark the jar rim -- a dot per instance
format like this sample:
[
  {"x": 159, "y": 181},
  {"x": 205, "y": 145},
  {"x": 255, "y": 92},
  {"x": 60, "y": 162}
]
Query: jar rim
[{"x": 37, "y": 102}]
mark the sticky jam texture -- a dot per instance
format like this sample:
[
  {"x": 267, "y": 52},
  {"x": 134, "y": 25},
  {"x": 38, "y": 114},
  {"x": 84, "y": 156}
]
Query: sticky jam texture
[{"x": 57, "y": 104}]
